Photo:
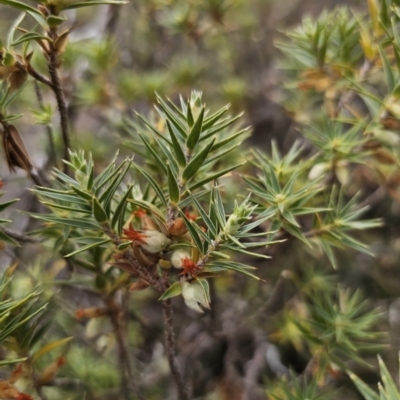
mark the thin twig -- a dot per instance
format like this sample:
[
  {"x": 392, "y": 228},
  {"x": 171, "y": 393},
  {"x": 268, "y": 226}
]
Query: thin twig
[
  {"x": 169, "y": 336},
  {"x": 374, "y": 198},
  {"x": 38, "y": 178},
  {"x": 348, "y": 95},
  {"x": 19, "y": 236},
  {"x": 113, "y": 17},
  {"x": 254, "y": 367},
  {"x": 311, "y": 368},
  {"x": 38, "y": 76},
  {"x": 36, "y": 384},
  {"x": 125, "y": 367},
  {"x": 53, "y": 62}
]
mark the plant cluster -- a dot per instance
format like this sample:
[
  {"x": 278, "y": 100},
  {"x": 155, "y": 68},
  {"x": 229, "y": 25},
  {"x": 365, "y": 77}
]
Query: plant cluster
[{"x": 183, "y": 212}]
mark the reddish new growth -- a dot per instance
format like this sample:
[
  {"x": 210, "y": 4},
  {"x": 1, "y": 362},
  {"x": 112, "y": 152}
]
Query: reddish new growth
[
  {"x": 190, "y": 217},
  {"x": 8, "y": 391},
  {"x": 80, "y": 313},
  {"x": 133, "y": 234},
  {"x": 1, "y": 184},
  {"x": 189, "y": 267},
  {"x": 140, "y": 213},
  {"x": 61, "y": 361},
  {"x": 24, "y": 396}
]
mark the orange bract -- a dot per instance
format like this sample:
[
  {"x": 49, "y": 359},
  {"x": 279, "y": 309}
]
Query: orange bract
[
  {"x": 133, "y": 234},
  {"x": 140, "y": 212},
  {"x": 190, "y": 217},
  {"x": 189, "y": 267}
]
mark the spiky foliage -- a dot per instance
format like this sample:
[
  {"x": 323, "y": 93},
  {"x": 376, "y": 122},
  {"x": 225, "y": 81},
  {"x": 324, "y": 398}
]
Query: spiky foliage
[
  {"x": 172, "y": 213},
  {"x": 388, "y": 388}
]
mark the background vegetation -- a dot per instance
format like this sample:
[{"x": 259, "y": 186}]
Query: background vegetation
[{"x": 319, "y": 86}]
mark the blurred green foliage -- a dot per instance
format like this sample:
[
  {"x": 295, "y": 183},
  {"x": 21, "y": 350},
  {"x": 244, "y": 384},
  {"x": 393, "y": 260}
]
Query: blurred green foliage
[{"x": 175, "y": 214}]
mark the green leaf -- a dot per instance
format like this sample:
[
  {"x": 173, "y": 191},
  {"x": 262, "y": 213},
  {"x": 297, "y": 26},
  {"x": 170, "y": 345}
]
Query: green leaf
[
  {"x": 173, "y": 187},
  {"x": 20, "y": 6},
  {"x": 197, "y": 161},
  {"x": 206, "y": 288},
  {"x": 383, "y": 14},
  {"x": 296, "y": 232},
  {"x": 3, "y": 363},
  {"x": 363, "y": 388},
  {"x": 228, "y": 140},
  {"x": 174, "y": 290},
  {"x": 226, "y": 265},
  {"x": 119, "y": 212},
  {"x": 39, "y": 19},
  {"x": 153, "y": 184},
  {"x": 206, "y": 219},
  {"x": 92, "y": 3},
  {"x": 107, "y": 196},
  {"x": 387, "y": 380},
  {"x": 156, "y": 132},
  {"x": 329, "y": 253},
  {"x": 180, "y": 155},
  {"x": 219, "y": 206},
  {"x": 49, "y": 347},
  {"x": 27, "y": 37},
  {"x": 189, "y": 114},
  {"x": 159, "y": 161},
  {"x": 168, "y": 153},
  {"x": 172, "y": 116},
  {"x": 103, "y": 176},
  {"x": 18, "y": 321},
  {"x": 214, "y": 176},
  {"x": 8, "y": 59},
  {"x": 83, "y": 223},
  {"x": 55, "y": 20},
  {"x": 10, "y": 98},
  {"x": 390, "y": 81},
  {"x": 85, "y": 195},
  {"x": 223, "y": 124},
  {"x": 12, "y": 117},
  {"x": 43, "y": 192},
  {"x": 193, "y": 233},
  {"x": 97, "y": 243},
  {"x": 5, "y": 238},
  {"x": 5, "y": 205},
  {"x": 98, "y": 212},
  {"x": 210, "y": 121},
  {"x": 195, "y": 132}
]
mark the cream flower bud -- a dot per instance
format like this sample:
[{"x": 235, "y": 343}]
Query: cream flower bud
[
  {"x": 155, "y": 241},
  {"x": 318, "y": 170},
  {"x": 193, "y": 294},
  {"x": 179, "y": 256}
]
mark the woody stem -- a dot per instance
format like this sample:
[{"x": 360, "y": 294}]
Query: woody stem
[
  {"x": 128, "y": 382},
  {"x": 53, "y": 61},
  {"x": 169, "y": 336}
]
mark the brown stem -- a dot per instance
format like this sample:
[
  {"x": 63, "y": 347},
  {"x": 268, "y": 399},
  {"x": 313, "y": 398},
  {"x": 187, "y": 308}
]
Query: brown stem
[
  {"x": 39, "y": 391},
  {"x": 137, "y": 268},
  {"x": 169, "y": 336},
  {"x": 128, "y": 383},
  {"x": 49, "y": 130},
  {"x": 113, "y": 17},
  {"x": 38, "y": 76},
  {"x": 53, "y": 63},
  {"x": 347, "y": 96},
  {"x": 20, "y": 237},
  {"x": 38, "y": 388},
  {"x": 374, "y": 198}
]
